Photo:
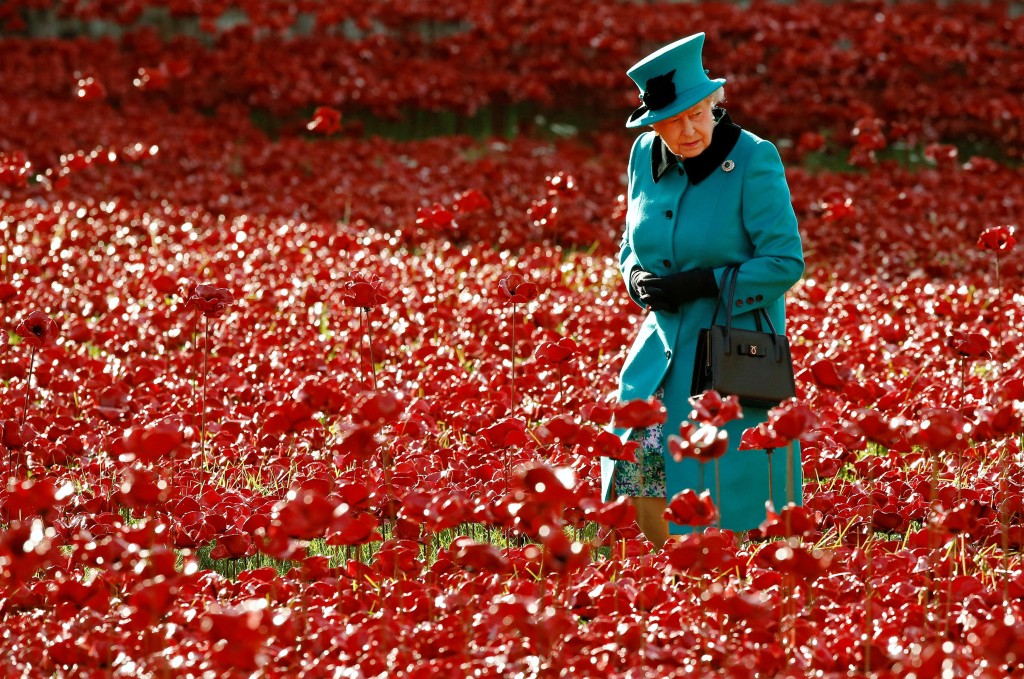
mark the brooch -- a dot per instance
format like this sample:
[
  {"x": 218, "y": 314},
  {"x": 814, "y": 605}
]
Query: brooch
[{"x": 728, "y": 166}]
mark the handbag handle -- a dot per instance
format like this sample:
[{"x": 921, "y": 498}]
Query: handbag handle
[{"x": 732, "y": 272}]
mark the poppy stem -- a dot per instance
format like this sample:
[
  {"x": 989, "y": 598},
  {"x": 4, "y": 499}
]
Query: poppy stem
[
  {"x": 963, "y": 383},
  {"x": 560, "y": 386},
  {"x": 999, "y": 326},
  {"x": 771, "y": 482},
  {"x": 1004, "y": 523},
  {"x": 718, "y": 493},
  {"x": 960, "y": 453},
  {"x": 369, "y": 347},
  {"x": 998, "y": 287},
  {"x": 206, "y": 351},
  {"x": 512, "y": 404},
  {"x": 195, "y": 341},
  {"x": 28, "y": 382},
  {"x": 790, "y": 493}
]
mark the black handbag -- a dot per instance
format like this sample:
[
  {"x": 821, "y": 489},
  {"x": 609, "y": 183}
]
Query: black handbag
[{"x": 753, "y": 365}]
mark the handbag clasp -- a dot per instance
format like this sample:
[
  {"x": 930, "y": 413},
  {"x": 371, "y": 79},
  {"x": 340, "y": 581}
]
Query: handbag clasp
[{"x": 752, "y": 350}]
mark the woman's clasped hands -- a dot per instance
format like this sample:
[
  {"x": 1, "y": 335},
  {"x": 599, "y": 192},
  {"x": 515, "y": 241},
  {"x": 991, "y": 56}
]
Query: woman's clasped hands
[{"x": 668, "y": 293}]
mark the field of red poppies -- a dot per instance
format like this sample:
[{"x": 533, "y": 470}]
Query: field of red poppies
[{"x": 313, "y": 327}]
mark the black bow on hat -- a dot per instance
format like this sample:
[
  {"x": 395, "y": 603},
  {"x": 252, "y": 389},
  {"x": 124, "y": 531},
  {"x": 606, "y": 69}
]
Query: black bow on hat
[{"x": 660, "y": 91}]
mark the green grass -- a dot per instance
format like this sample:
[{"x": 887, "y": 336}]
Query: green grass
[{"x": 340, "y": 555}]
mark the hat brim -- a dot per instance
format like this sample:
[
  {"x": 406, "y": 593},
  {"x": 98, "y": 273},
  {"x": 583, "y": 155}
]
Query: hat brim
[{"x": 644, "y": 116}]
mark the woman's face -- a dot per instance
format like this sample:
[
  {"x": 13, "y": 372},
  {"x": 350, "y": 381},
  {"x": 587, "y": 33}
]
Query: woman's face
[{"x": 688, "y": 133}]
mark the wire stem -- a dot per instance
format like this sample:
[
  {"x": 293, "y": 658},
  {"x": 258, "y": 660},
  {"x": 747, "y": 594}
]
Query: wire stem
[
  {"x": 512, "y": 403},
  {"x": 206, "y": 351},
  {"x": 28, "y": 382},
  {"x": 369, "y": 347}
]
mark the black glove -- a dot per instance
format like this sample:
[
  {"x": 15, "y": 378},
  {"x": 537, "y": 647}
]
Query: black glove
[{"x": 666, "y": 293}]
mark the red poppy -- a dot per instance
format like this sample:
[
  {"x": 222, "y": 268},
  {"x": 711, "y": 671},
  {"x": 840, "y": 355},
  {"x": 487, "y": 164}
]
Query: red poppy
[
  {"x": 841, "y": 208},
  {"x": 639, "y": 413},
  {"x": 867, "y": 134},
  {"x": 471, "y": 200},
  {"x": 965, "y": 517},
  {"x": 561, "y": 184},
  {"x": 970, "y": 344},
  {"x": 810, "y": 141},
  {"x": 149, "y": 79},
  {"x": 942, "y": 155},
  {"x": 233, "y": 545},
  {"x": 322, "y": 398},
  {"x": 89, "y": 88},
  {"x": 791, "y": 520},
  {"x": 713, "y": 551},
  {"x": 562, "y": 555},
  {"x": 995, "y": 422},
  {"x": 34, "y": 497},
  {"x": 353, "y": 529},
  {"x": 378, "y": 407},
  {"x": 711, "y": 408},
  {"x": 363, "y": 292},
  {"x": 210, "y": 300},
  {"x": 558, "y": 352},
  {"x": 792, "y": 419},
  {"x": 875, "y": 427},
  {"x": 326, "y": 120},
  {"x": 305, "y": 514},
  {"x": 288, "y": 417},
  {"x": 444, "y": 511},
  {"x": 477, "y": 557},
  {"x": 509, "y": 431},
  {"x": 804, "y": 563},
  {"x": 552, "y": 487},
  {"x": 941, "y": 429},
  {"x": 516, "y": 290},
  {"x": 607, "y": 444},
  {"x": 436, "y": 217},
  {"x": 14, "y": 434},
  {"x": 565, "y": 430},
  {"x": 705, "y": 442},
  {"x": 15, "y": 169},
  {"x": 602, "y": 413},
  {"x": 763, "y": 437},
  {"x": 619, "y": 513},
  {"x": 155, "y": 442},
  {"x": 542, "y": 212},
  {"x": 997, "y": 238},
  {"x": 689, "y": 509},
  {"x": 37, "y": 330},
  {"x": 827, "y": 376},
  {"x": 142, "y": 487}
]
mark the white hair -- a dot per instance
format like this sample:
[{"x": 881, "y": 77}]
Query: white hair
[{"x": 716, "y": 97}]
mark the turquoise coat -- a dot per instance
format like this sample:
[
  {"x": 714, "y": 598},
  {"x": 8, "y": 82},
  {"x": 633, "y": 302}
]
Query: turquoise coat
[{"x": 730, "y": 205}]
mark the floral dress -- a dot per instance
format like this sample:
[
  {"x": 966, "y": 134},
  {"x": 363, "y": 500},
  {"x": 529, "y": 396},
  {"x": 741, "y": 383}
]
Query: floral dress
[{"x": 646, "y": 476}]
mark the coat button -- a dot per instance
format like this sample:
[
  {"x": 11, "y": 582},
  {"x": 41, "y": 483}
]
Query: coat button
[
  {"x": 739, "y": 302},
  {"x": 668, "y": 214},
  {"x": 666, "y": 263},
  {"x": 668, "y": 354},
  {"x": 750, "y": 300},
  {"x": 759, "y": 298}
]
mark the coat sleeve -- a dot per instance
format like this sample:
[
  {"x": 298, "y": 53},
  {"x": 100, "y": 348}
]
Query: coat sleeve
[
  {"x": 627, "y": 258},
  {"x": 777, "y": 260}
]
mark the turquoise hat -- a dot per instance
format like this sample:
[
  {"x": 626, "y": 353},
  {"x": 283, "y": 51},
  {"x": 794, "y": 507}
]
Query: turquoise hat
[{"x": 671, "y": 80}]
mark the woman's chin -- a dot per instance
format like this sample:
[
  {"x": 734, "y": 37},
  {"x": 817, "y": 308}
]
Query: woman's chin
[{"x": 689, "y": 150}]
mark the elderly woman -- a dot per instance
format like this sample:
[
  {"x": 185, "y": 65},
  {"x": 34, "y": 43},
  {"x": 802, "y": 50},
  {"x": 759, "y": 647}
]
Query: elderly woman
[{"x": 703, "y": 194}]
